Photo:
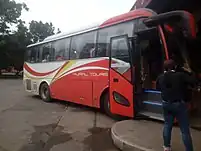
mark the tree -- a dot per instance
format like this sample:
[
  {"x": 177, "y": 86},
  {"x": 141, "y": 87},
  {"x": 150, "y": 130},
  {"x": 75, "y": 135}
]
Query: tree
[
  {"x": 10, "y": 11},
  {"x": 13, "y": 44},
  {"x": 22, "y": 34},
  {"x": 40, "y": 30}
]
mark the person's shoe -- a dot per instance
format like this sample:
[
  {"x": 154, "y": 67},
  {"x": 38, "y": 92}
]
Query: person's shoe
[{"x": 167, "y": 149}]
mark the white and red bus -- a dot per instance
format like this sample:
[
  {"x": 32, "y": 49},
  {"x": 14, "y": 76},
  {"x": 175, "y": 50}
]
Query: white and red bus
[{"x": 113, "y": 65}]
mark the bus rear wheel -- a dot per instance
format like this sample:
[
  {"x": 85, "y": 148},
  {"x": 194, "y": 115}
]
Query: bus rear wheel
[{"x": 44, "y": 92}]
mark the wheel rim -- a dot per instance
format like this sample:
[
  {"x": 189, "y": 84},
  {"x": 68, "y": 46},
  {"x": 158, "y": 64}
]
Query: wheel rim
[
  {"x": 108, "y": 104},
  {"x": 44, "y": 93}
]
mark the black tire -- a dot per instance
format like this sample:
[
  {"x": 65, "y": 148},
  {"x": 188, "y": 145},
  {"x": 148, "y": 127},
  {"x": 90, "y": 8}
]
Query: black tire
[
  {"x": 44, "y": 92},
  {"x": 106, "y": 106}
]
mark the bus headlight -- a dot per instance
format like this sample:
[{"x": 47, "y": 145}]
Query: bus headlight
[{"x": 120, "y": 99}]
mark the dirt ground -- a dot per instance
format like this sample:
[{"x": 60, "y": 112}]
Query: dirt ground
[{"x": 28, "y": 124}]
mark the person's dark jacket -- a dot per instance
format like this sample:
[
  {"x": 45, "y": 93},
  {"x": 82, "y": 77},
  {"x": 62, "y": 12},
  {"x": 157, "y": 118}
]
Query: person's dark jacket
[{"x": 174, "y": 85}]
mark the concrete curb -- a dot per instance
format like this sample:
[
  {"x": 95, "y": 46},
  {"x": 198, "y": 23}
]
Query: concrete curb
[{"x": 122, "y": 144}]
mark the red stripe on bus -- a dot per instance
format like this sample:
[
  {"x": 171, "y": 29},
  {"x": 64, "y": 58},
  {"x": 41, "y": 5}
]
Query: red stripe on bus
[{"x": 37, "y": 73}]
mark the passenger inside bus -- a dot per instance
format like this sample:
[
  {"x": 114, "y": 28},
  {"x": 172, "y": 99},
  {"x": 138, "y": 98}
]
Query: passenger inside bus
[
  {"x": 46, "y": 57},
  {"x": 88, "y": 51},
  {"x": 102, "y": 49}
]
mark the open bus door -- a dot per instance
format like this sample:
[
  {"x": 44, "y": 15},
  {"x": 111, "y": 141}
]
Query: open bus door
[
  {"x": 121, "y": 82},
  {"x": 178, "y": 26},
  {"x": 151, "y": 55},
  {"x": 120, "y": 77},
  {"x": 178, "y": 23}
]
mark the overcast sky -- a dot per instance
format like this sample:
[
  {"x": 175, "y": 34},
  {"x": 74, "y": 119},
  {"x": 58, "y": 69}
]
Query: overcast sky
[{"x": 71, "y": 14}]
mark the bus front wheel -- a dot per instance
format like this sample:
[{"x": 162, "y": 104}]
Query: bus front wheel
[
  {"x": 44, "y": 92},
  {"x": 106, "y": 106}
]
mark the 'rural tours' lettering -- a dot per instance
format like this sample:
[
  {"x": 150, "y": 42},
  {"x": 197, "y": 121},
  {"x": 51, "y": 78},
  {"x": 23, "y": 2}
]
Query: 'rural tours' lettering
[
  {"x": 81, "y": 74},
  {"x": 93, "y": 74}
]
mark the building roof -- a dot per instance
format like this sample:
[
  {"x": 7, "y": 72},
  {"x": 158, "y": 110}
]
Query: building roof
[
  {"x": 161, "y": 6},
  {"x": 140, "y": 4}
]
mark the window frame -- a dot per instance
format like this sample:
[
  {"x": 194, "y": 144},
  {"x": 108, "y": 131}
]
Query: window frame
[
  {"x": 123, "y": 36},
  {"x": 132, "y": 22}
]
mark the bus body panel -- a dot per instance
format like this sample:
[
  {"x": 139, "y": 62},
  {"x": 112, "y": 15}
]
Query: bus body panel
[
  {"x": 35, "y": 74},
  {"x": 77, "y": 91},
  {"x": 98, "y": 89},
  {"x": 80, "y": 81},
  {"x": 125, "y": 89}
]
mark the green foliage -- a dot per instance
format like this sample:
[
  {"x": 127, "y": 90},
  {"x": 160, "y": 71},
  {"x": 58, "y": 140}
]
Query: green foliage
[
  {"x": 13, "y": 44},
  {"x": 40, "y": 30},
  {"x": 10, "y": 11}
]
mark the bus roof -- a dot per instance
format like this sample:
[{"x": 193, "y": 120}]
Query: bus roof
[
  {"x": 112, "y": 21},
  {"x": 75, "y": 31}
]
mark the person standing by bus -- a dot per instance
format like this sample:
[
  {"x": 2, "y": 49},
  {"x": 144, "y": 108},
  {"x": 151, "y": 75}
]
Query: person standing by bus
[{"x": 173, "y": 85}]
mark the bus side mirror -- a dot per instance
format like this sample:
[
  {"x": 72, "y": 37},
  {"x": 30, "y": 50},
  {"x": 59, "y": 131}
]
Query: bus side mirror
[{"x": 175, "y": 22}]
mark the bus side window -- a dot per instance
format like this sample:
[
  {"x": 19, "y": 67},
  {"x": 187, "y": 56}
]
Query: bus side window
[
  {"x": 28, "y": 55},
  {"x": 59, "y": 49},
  {"x": 121, "y": 52},
  {"x": 67, "y": 48},
  {"x": 105, "y": 34},
  {"x": 46, "y": 53},
  {"x": 32, "y": 55},
  {"x": 102, "y": 43},
  {"x": 82, "y": 45},
  {"x": 101, "y": 50}
]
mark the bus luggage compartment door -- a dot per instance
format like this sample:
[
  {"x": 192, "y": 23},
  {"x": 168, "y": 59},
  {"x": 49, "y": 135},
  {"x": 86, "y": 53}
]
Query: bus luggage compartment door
[{"x": 120, "y": 85}]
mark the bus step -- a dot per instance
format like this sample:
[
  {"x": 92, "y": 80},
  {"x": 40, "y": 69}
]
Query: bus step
[
  {"x": 156, "y": 103},
  {"x": 152, "y": 115},
  {"x": 152, "y": 106}
]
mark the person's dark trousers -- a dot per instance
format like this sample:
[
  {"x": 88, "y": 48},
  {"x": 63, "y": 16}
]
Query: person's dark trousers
[{"x": 179, "y": 111}]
